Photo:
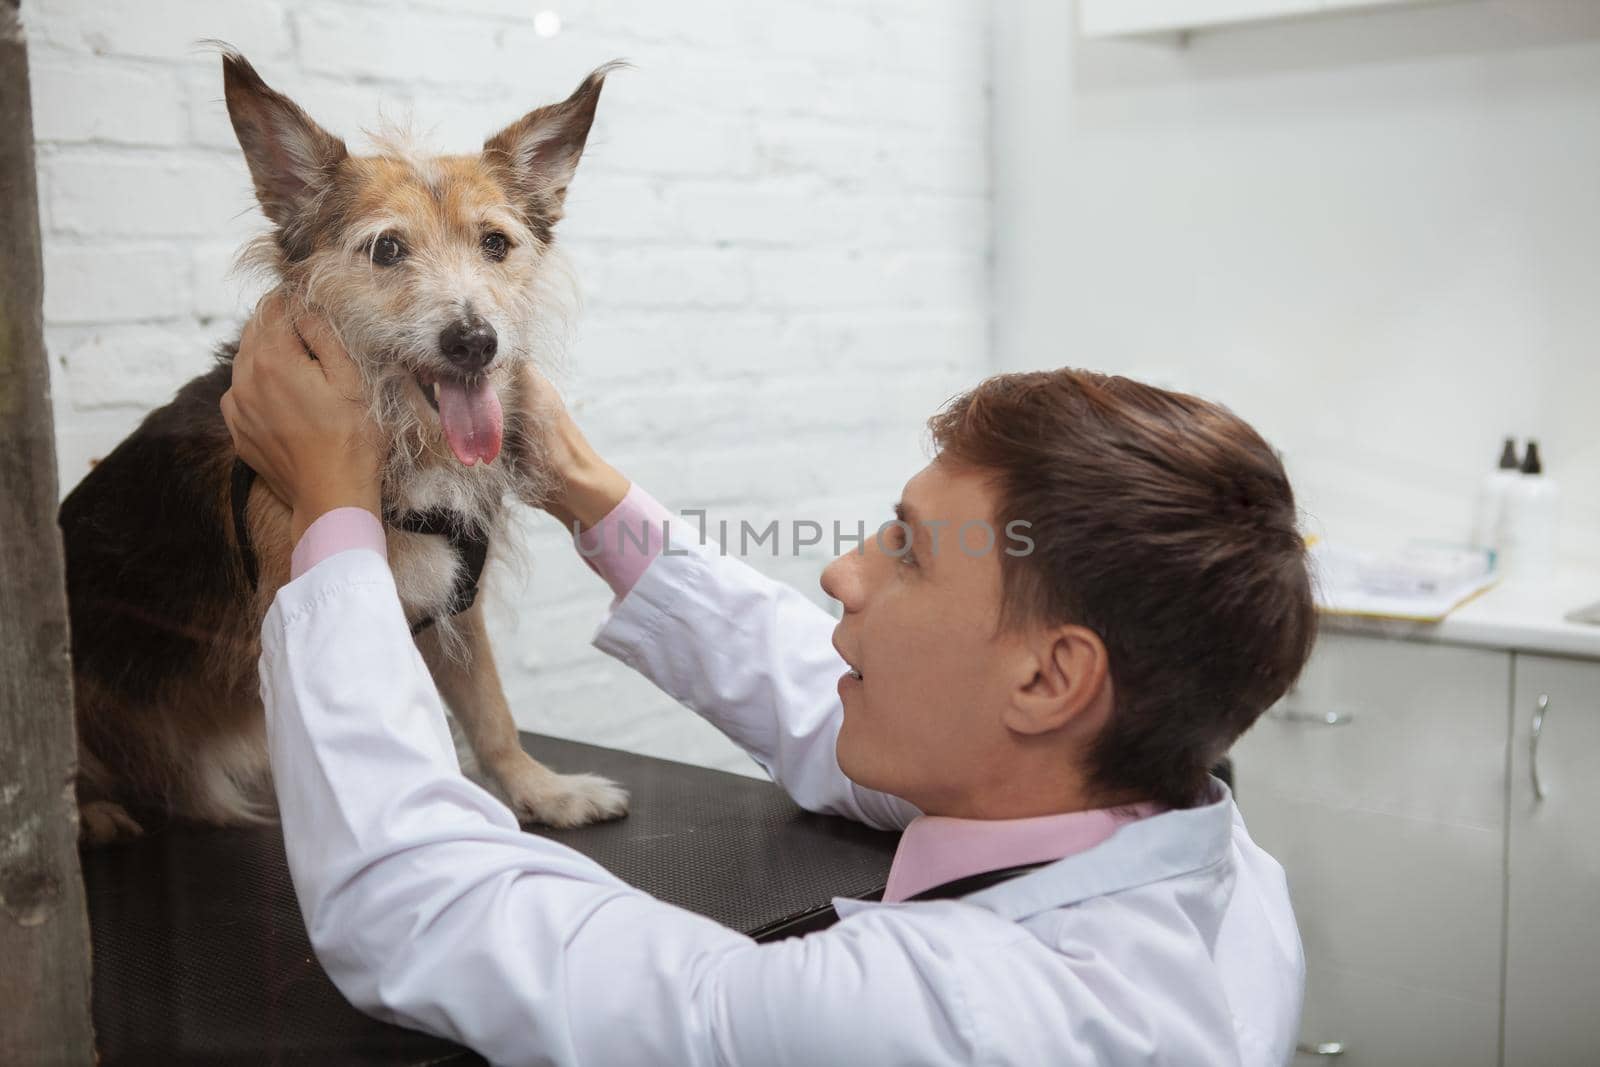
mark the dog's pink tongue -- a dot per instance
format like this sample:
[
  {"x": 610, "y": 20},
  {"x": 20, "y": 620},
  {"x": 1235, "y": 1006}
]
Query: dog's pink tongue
[{"x": 473, "y": 423}]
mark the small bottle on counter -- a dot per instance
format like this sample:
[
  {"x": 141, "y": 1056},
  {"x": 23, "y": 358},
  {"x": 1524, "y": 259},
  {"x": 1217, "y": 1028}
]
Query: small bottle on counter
[
  {"x": 1493, "y": 497},
  {"x": 1529, "y": 529}
]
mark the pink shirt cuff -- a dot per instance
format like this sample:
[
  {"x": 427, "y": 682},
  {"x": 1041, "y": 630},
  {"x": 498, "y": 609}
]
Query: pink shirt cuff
[
  {"x": 621, "y": 546},
  {"x": 337, "y": 531}
]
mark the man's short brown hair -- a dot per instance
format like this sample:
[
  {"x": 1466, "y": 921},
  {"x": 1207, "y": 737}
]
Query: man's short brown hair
[{"x": 1165, "y": 524}]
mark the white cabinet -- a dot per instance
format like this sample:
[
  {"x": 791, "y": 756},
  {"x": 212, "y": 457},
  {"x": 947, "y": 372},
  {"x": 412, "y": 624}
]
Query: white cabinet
[
  {"x": 1132, "y": 18},
  {"x": 1553, "y": 913},
  {"x": 1379, "y": 784},
  {"x": 1450, "y": 914}
]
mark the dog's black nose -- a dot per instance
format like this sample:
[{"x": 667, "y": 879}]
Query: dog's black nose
[{"x": 469, "y": 342}]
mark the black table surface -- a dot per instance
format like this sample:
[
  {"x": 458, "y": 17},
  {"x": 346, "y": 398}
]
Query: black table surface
[{"x": 201, "y": 956}]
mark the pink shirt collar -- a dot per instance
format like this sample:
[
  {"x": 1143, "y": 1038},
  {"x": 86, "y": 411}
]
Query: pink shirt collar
[{"x": 936, "y": 849}]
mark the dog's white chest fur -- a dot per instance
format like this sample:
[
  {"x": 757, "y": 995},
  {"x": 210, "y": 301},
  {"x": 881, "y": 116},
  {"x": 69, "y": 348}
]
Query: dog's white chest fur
[{"x": 425, "y": 566}]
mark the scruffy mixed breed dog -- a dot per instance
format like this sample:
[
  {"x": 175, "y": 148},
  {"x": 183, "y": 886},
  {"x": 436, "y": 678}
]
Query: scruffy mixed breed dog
[{"x": 439, "y": 275}]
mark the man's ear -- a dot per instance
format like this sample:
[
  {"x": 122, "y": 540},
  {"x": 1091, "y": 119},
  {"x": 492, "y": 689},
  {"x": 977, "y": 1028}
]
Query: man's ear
[
  {"x": 539, "y": 152},
  {"x": 1065, "y": 682},
  {"x": 290, "y": 157}
]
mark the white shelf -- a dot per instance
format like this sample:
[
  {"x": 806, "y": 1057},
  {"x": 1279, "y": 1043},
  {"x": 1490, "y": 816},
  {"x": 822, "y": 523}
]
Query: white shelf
[{"x": 1140, "y": 18}]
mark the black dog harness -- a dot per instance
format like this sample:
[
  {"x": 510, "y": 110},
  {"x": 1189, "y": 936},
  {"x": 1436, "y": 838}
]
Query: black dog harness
[{"x": 472, "y": 548}]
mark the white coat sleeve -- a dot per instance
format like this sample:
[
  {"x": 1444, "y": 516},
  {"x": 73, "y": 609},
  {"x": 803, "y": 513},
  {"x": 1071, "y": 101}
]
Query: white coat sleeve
[
  {"x": 755, "y": 659},
  {"x": 430, "y": 908}
]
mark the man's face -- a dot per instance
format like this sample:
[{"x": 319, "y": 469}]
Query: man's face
[{"x": 921, "y": 626}]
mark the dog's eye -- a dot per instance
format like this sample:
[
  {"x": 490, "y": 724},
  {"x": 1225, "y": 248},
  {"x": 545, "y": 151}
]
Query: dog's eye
[
  {"x": 496, "y": 245},
  {"x": 387, "y": 251}
]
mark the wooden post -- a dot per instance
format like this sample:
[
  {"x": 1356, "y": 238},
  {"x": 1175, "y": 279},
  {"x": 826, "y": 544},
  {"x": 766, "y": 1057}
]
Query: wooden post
[{"x": 44, "y": 928}]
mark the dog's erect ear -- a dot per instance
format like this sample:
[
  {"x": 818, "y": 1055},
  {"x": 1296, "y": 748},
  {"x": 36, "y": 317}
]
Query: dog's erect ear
[
  {"x": 290, "y": 156},
  {"x": 540, "y": 151}
]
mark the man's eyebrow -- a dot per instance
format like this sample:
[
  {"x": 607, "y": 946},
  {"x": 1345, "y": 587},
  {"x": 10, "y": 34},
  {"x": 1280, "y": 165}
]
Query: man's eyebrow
[{"x": 920, "y": 532}]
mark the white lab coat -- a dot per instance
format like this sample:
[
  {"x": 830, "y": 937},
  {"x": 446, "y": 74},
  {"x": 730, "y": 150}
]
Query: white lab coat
[{"x": 1171, "y": 943}]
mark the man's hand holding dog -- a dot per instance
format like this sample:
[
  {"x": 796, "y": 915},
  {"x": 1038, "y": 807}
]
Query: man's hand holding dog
[
  {"x": 297, "y": 415},
  {"x": 587, "y": 487}
]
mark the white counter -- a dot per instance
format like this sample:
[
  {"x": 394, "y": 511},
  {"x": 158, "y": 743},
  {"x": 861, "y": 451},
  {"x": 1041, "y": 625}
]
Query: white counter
[{"x": 1518, "y": 615}]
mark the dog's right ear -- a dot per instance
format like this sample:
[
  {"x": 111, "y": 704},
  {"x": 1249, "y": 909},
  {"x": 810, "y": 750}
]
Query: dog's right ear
[
  {"x": 289, "y": 155},
  {"x": 539, "y": 152}
]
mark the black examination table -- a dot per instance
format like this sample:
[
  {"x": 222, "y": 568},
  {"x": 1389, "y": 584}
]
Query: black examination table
[{"x": 200, "y": 955}]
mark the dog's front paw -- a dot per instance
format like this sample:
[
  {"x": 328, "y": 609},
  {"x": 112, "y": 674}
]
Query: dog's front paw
[
  {"x": 101, "y": 822},
  {"x": 562, "y": 801}
]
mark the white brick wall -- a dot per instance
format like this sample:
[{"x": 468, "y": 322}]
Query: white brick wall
[{"x": 781, "y": 228}]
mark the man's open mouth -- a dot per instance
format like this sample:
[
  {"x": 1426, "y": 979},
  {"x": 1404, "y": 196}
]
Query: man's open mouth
[
  {"x": 469, "y": 414},
  {"x": 849, "y": 667}
]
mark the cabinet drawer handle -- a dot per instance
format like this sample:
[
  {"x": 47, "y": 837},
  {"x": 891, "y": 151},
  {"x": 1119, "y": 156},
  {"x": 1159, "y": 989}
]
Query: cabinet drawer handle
[
  {"x": 1321, "y": 1048},
  {"x": 1311, "y": 718},
  {"x": 1533, "y": 744}
]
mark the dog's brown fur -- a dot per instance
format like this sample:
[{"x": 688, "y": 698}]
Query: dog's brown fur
[{"x": 165, "y": 622}]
